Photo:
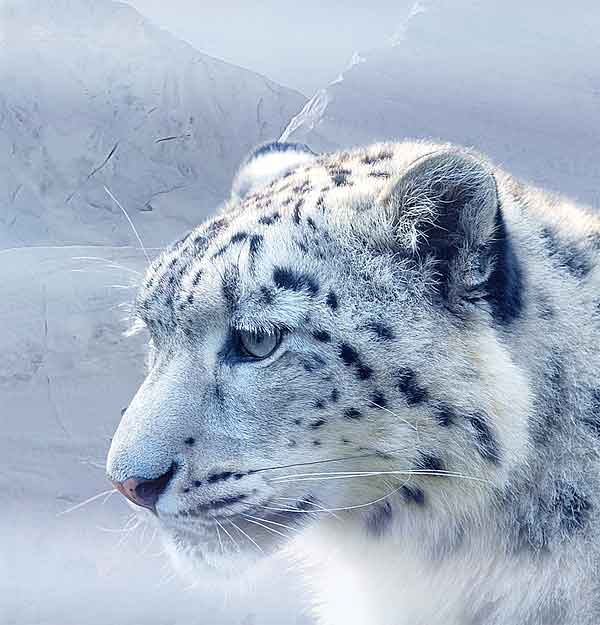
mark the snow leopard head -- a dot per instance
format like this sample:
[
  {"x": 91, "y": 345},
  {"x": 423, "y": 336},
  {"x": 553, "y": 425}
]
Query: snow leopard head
[{"x": 328, "y": 350}]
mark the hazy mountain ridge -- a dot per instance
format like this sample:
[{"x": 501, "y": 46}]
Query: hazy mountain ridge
[
  {"x": 94, "y": 95},
  {"x": 519, "y": 81}
]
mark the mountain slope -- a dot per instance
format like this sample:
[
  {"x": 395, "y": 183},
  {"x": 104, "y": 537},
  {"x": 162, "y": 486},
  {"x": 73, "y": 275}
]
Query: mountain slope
[
  {"x": 517, "y": 80},
  {"x": 92, "y": 94}
]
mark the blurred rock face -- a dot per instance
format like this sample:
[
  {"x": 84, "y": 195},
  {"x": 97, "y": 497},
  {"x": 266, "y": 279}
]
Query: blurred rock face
[{"x": 92, "y": 95}]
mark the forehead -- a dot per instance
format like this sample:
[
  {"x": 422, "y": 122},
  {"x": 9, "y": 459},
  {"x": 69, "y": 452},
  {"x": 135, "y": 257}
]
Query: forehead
[{"x": 277, "y": 241}]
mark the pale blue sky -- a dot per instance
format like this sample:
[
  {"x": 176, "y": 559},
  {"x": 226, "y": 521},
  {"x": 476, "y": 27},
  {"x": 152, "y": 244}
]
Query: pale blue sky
[{"x": 303, "y": 45}]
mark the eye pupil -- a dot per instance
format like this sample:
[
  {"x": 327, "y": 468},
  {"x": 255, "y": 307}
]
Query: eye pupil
[{"x": 259, "y": 345}]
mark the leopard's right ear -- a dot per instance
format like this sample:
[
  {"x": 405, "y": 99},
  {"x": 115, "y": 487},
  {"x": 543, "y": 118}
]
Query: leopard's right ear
[
  {"x": 446, "y": 208},
  {"x": 266, "y": 163}
]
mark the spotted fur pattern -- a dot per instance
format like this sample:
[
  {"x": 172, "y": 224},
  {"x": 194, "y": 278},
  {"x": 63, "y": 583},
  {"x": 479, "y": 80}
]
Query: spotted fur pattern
[{"x": 430, "y": 421}]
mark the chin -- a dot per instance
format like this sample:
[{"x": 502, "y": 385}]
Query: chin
[{"x": 229, "y": 556}]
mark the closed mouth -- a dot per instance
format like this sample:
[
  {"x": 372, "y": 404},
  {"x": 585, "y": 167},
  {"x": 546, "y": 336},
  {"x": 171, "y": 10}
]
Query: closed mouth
[{"x": 208, "y": 515}]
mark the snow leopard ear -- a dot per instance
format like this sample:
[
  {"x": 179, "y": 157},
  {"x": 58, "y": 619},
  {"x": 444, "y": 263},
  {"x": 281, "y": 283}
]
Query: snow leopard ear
[
  {"x": 445, "y": 208},
  {"x": 268, "y": 162}
]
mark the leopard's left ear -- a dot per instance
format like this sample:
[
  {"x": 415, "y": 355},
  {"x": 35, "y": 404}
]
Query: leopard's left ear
[
  {"x": 268, "y": 162},
  {"x": 445, "y": 207}
]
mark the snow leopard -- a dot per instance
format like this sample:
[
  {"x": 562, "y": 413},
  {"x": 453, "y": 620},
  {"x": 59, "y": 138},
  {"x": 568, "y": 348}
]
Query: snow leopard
[{"x": 383, "y": 363}]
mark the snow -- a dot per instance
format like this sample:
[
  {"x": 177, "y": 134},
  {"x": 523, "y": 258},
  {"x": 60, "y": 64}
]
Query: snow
[
  {"x": 92, "y": 95},
  {"x": 66, "y": 373},
  {"x": 519, "y": 81}
]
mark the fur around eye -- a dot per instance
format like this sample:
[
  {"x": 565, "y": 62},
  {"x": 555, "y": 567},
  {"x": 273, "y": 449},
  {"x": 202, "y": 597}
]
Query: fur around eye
[{"x": 259, "y": 345}]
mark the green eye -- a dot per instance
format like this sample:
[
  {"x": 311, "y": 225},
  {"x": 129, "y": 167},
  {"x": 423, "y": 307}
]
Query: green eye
[{"x": 259, "y": 344}]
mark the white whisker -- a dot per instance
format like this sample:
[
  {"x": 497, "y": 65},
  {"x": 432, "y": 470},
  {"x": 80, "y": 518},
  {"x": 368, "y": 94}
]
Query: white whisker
[
  {"x": 269, "y": 529},
  {"x": 87, "y": 501},
  {"x": 414, "y": 427},
  {"x": 333, "y": 475},
  {"x": 114, "y": 199},
  {"x": 220, "y": 541},
  {"x": 312, "y": 503},
  {"x": 108, "y": 263},
  {"x": 283, "y": 525},
  {"x": 239, "y": 529},
  {"x": 228, "y": 534},
  {"x": 356, "y": 507}
]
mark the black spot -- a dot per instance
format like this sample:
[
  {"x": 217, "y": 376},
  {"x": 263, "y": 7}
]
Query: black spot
[
  {"x": 553, "y": 518},
  {"x": 335, "y": 395},
  {"x": 219, "y": 392},
  {"x": 363, "y": 371},
  {"x": 255, "y": 245},
  {"x": 574, "y": 509},
  {"x": 267, "y": 220},
  {"x": 379, "y": 174},
  {"x": 378, "y": 399},
  {"x": 317, "y": 424},
  {"x": 332, "y": 300},
  {"x": 566, "y": 255},
  {"x": 371, "y": 159},
  {"x": 298, "y": 421},
  {"x": 429, "y": 462},
  {"x": 339, "y": 176},
  {"x": 445, "y": 415},
  {"x": 319, "y": 404},
  {"x": 305, "y": 504},
  {"x": 486, "y": 442},
  {"x": 267, "y": 295},
  {"x": 302, "y": 188},
  {"x": 197, "y": 483},
  {"x": 311, "y": 222},
  {"x": 408, "y": 385},
  {"x": 412, "y": 494},
  {"x": 352, "y": 413},
  {"x": 289, "y": 279},
  {"x": 322, "y": 335},
  {"x": 382, "y": 330},
  {"x": 219, "y": 477},
  {"x": 297, "y": 211},
  {"x": 230, "y": 286},
  {"x": 190, "y": 441},
  {"x": 316, "y": 443},
  {"x": 237, "y": 237},
  {"x": 348, "y": 354},
  {"x": 321, "y": 204},
  {"x": 185, "y": 490},
  {"x": 351, "y": 357},
  {"x": 379, "y": 519},
  {"x": 238, "y": 476}
]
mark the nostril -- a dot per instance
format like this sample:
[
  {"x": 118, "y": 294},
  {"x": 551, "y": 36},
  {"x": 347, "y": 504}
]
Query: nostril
[{"x": 145, "y": 492}]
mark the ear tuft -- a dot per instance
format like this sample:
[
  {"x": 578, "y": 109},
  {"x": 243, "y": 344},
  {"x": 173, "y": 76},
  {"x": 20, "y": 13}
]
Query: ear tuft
[{"x": 268, "y": 162}]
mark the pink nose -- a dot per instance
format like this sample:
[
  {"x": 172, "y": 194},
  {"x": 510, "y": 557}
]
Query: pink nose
[{"x": 145, "y": 492}]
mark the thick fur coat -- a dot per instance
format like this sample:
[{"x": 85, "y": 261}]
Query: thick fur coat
[{"x": 423, "y": 435}]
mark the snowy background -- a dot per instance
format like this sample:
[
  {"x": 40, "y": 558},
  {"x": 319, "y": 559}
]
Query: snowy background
[{"x": 94, "y": 94}]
